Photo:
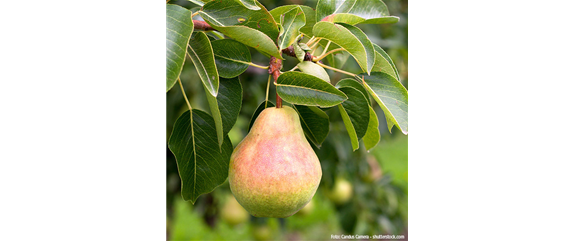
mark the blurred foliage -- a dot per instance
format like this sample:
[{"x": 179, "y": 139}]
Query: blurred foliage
[{"x": 379, "y": 177}]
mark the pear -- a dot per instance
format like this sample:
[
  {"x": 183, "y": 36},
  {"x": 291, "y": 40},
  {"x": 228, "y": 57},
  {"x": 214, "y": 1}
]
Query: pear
[
  {"x": 274, "y": 172},
  {"x": 342, "y": 191}
]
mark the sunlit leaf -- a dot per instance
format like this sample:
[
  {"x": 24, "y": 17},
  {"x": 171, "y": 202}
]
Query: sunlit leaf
[
  {"x": 307, "y": 29},
  {"x": 291, "y": 21},
  {"x": 178, "y": 30},
  {"x": 384, "y": 63},
  {"x": 314, "y": 69},
  {"x": 354, "y": 12},
  {"x": 391, "y": 96},
  {"x": 304, "y": 89},
  {"x": 201, "y": 54},
  {"x": 372, "y": 137},
  {"x": 250, "y": 4}
]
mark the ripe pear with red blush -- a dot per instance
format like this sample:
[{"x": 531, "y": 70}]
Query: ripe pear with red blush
[{"x": 274, "y": 172}]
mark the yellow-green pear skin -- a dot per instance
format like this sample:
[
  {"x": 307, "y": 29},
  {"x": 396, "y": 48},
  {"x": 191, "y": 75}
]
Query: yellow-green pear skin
[{"x": 274, "y": 172}]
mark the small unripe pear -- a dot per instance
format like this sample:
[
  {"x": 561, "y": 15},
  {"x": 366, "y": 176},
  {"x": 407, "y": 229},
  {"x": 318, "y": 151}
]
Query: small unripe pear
[
  {"x": 274, "y": 172},
  {"x": 307, "y": 209},
  {"x": 233, "y": 213},
  {"x": 342, "y": 191},
  {"x": 262, "y": 233}
]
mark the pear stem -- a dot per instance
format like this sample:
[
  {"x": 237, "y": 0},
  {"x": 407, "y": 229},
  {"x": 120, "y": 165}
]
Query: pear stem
[{"x": 275, "y": 66}]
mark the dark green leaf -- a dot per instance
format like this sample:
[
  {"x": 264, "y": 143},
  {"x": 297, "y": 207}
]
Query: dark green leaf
[
  {"x": 201, "y": 164},
  {"x": 231, "y": 57},
  {"x": 372, "y": 137},
  {"x": 348, "y": 82},
  {"x": 354, "y": 12},
  {"x": 391, "y": 96},
  {"x": 178, "y": 30},
  {"x": 350, "y": 38},
  {"x": 261, "y": 107},
  {"x": 305, "y": 89},
  {"x": 291, "y": 21},
  {"x": 355, "y": 113},
  {"x": 226, "y": 106},
  {"x": 315, "y": 123},
  {"x": 309, "y": 17},
  {"x": 201, "y": 53}
]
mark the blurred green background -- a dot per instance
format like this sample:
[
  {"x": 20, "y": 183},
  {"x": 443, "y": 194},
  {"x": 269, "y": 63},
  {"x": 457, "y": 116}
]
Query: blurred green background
[{"x": 378, "y": 180}]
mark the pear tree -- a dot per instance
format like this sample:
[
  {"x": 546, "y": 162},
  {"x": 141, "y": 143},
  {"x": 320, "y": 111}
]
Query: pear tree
[{"x": 275, "y": 171}]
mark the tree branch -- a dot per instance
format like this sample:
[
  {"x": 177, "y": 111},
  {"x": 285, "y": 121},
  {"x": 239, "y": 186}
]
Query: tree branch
[
  {"x": 275, "y": 66},
  {"x": 202, "y": 25}
]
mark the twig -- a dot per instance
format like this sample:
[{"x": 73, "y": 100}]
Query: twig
[
  {"x": 335, "y": 69},
  {"x": 275, "y": 65},
  {"x": 202, "y": 25},
  {"x": 326, "y": 54}
]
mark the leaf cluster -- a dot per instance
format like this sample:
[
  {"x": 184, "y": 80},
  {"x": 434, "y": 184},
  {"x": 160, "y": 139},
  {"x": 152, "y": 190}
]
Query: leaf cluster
[{"x": 328, "y": 33}]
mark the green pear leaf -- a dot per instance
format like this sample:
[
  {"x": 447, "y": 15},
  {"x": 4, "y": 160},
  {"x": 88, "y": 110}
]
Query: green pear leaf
[
  {"x": 291, "y": 21},
  {"x": 348, "y": 82},
  {"x": 200, "y": 2},
  {"x": 384, "y": 63},
  {"x": 355, "y": 114},
  {"x": 299, "y": 52},
  {"x": 391, "y": 96},
  {"x": 307, "y": 29},
  {"x": 250, "y": 4},
  {"x": 314, "y": 69},
  {"x": 373, "y": 136},
  {"x": 351, "y": 39},
  {"x": 202, "y": 166},
  {"x": 231, "y": 57},
  {"x": 354, "y": 12},
  {"x": 226, "y": 106},
  {"x": 201, "y": 54},
  {"x": 178, "y": 30},
  {"x": 305, "y": 89},
  {"x": 255, "y": 29},
  {"x": 232, "y": 13},
  {"x": 315, "y": 123}
]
